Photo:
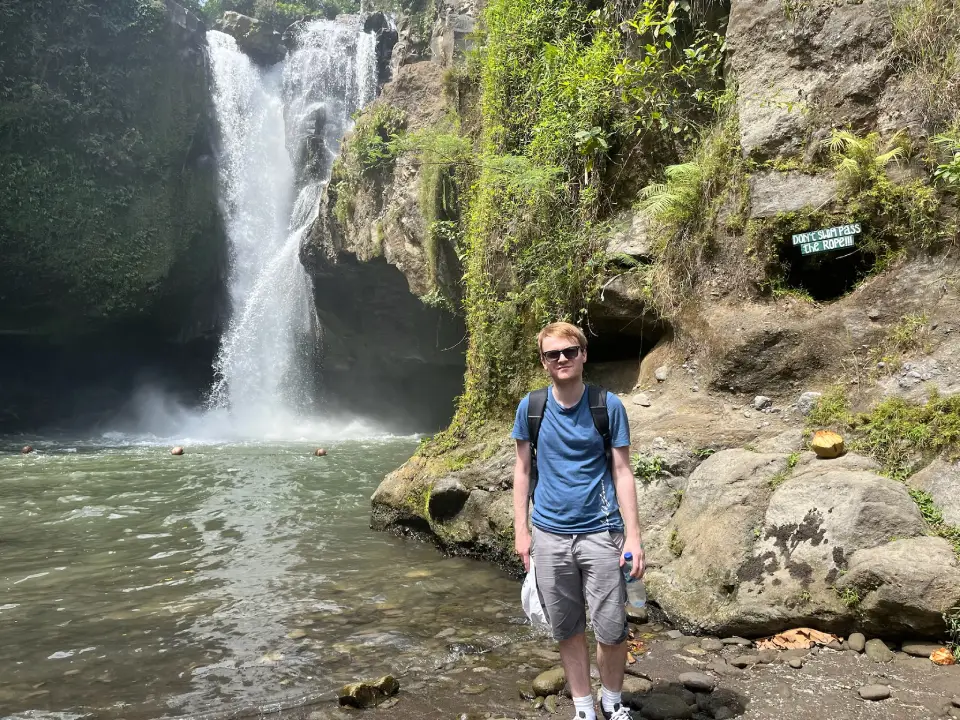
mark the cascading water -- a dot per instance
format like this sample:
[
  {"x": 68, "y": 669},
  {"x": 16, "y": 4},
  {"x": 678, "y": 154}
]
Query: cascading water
[{"x": 280, "y": 128}]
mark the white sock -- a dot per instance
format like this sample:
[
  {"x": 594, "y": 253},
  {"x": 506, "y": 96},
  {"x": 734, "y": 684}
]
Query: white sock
[
  {"x": 609, "y": 699},
  {"x": 584, "y": 708}
]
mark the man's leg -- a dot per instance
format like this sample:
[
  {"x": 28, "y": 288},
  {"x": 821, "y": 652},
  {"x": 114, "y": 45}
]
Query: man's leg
[
  {"x": 599, "y": 558},
  {"x": 560, "y": 586},
  {"x": 576, "y": 664},
  {"x": 611, "y": 660}
]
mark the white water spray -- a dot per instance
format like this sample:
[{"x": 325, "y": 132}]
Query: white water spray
[{"x": 280, "y": 128}]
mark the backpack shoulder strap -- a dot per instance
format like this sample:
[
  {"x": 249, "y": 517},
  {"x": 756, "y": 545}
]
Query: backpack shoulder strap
[
  {"x": 597, "y": 397},
  {"x": 536, "y": 404},
  {"x": 535, "y": 407}
]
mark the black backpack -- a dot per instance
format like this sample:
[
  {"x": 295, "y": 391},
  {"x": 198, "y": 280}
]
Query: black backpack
[{"x": 596, "y": 396}]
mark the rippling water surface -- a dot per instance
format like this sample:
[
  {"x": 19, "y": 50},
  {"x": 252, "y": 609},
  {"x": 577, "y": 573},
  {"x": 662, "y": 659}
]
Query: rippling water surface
[{"x": 136, "y": 584}]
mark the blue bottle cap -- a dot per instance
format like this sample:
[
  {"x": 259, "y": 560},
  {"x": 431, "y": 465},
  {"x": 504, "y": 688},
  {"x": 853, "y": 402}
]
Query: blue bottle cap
[{"x": 628, "y": 556}]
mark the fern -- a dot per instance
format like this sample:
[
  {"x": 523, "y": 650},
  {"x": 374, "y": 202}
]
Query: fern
[{"x": 860, "y": 160}]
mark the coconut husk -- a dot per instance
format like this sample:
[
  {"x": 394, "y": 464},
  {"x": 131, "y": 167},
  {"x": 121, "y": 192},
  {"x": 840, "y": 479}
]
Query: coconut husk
[{"x": 796, "y": 639}]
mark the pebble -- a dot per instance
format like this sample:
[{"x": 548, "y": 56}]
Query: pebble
[
  {"x": 768, "y": 656},
  {"x": 297, "y": 634},
  {"x": 474, "y": 689},
  {"x": 796, "y": 663},
  {"x": 857, "y": 642},
  {"x": 878, "y": 651},
  {"x": 661, "y": 706},
  {"x": 735, "y": 640},
  {"x": 874, "y": 692},
  {"x": 697, "y": 682},
  {"x": 636, "y": 685},
  {"x": 762, "y": 402},
  {"x": 694, "y": 650},
  {"x": 550, "y": 682},
  {"x": 720, "y": 667},
  {"x": 661, "y": 373},
  {"x": 674, "y": 634},
  {"x": 550, "y": 704},
  {"x": 446, "y": 633},
  {"x": 641, "y": 399},
  {"x": 743, "y": 661},
  {"x": 920, "y": 649},
  {"x": 525, "y": 691},
  {"x": 835, "y": 645}
]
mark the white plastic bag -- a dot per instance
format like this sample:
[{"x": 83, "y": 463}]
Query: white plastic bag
[{"x": 530, "y": 599}]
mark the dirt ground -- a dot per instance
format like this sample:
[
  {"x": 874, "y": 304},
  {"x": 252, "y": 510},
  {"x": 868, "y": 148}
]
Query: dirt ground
[{"x": 826, "y": 686}]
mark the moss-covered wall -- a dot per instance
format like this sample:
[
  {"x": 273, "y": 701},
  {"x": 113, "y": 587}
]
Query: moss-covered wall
[{"x": 107, "y": 184}]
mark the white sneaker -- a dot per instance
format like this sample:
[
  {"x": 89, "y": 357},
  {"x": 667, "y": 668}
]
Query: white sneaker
[{"x": 620, "y": 712}]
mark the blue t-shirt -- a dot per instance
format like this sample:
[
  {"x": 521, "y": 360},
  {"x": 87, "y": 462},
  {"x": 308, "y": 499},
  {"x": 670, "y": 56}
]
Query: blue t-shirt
[{"x": 575, "y": 493}]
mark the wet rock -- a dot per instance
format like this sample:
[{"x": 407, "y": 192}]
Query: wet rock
[
  {"x": 712, "y": 644},
  {"x": 827, "y": 444},
  {"x": 550, "y": 682},
  {"x": 697, "y": 682},
  {"x": 550, "y": 704},
  {"x": 447, "y": 499},
  {"x": 661, "y": 373},
  {"x": 920, "y": 649},
  {"x": 26, "y": 450},
  {"x": 874, "y": 692},
  {"x": 255, "y": 38},
  {"x": 856, "y": 642},
  {"x": 297, "y": 634},
  {"x": 474, "y": 689},
  {"x": 178, "y": 450},
  {"x": 319, "y": 452},
  {"x": 878, "y": 651},
  {"x": 365, "y": 694},
  {"x": 661, "y": 706},
  {"x": 525, "y": 690},
  {"x": 694, "y": 650},
  {"x": 723, "y": 713},
  {"x": 636, "y": 685}
]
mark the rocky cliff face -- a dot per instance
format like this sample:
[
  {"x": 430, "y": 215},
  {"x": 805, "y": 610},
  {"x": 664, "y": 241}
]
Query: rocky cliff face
[
  {"x": 746, "y": 530},
  {"x": 108, "y": 215}
]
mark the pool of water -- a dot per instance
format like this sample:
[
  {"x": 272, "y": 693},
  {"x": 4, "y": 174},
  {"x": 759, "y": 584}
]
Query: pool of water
[{"x": 136, "y": 584}]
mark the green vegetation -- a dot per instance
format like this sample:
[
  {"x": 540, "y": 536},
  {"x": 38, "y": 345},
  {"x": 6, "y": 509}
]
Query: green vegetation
[
  {"x": 675, "y": 543},
  {"x": 647, "y": 468},
  {"x": 947, "y": 149},
  {"x": 951, "y": 618},
  {"x": 849, "y": 597},
  {"x": 783, "y": 475},
  {"x": 926, "y": 39},
  {"x": 104, "y": 213},
  {"x": 934, "y": 518},
  {"x": 366, "y": 158},
  {"x": 563, "y": 108}
]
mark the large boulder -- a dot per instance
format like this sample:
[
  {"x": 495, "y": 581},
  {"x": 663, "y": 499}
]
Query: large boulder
[
  {"x": 904, "y": 587},
  {"x": 254, "y": 37},
  {"x": 942, "y": 480},
  {"x": 759, "y": 548}
]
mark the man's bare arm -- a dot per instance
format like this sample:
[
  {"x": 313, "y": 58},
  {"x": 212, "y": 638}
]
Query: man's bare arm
[
  {"x": 521, "y": 493},
  {"x": 625, "y": 485}
]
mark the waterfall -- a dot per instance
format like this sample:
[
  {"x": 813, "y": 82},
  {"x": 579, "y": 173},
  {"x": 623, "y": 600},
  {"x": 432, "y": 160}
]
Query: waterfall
[{"x": 280, "y": 129}]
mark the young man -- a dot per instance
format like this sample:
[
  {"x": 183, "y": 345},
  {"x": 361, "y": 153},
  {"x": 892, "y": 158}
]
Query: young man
[{"x": 584, "y": 520}]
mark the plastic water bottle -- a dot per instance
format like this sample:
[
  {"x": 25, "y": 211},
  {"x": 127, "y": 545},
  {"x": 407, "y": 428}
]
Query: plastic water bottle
[{"x": 636, "y": 593}]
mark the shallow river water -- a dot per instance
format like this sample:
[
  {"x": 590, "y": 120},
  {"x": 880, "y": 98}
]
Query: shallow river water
[{"x": 135, "y": 584}]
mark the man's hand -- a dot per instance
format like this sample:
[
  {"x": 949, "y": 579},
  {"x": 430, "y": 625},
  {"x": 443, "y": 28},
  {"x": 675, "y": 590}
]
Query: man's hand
[
  {"x": 636, "y": 548},
  {"x": 522, "y": 545}
]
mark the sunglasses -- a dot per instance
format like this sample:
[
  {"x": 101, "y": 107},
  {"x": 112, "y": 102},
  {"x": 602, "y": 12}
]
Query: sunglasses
[{"x": 569, "y": 353}]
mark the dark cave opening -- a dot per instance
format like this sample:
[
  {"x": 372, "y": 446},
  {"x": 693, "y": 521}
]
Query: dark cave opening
[
  {"x": 616, "y": 347},
  {"x": 828, "y": 275}
]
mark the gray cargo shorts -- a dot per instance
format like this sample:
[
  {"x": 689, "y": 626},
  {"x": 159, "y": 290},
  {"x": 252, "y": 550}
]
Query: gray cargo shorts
[{"x": 576, "y": 571}]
